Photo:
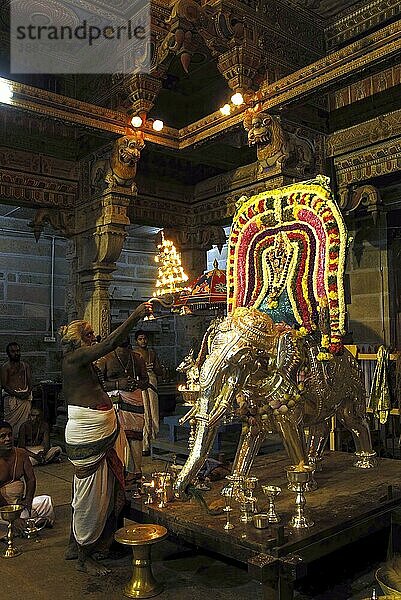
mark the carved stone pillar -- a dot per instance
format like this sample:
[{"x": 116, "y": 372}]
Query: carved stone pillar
[
  {"x": 95, "y": 287},
  {"x": 193, "y": 243},
  {"x": 98, "y": 247}
]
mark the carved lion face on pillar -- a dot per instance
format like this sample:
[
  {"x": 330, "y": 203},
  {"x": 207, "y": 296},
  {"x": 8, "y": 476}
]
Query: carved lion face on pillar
[
  {"x": 266, "y": 133},
  {"x": 125, "y": 155},
  {"x": 259, "y": 128}
]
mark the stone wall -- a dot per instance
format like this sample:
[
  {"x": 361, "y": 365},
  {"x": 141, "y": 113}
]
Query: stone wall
[
  {"x": 368, "y": 289},
  {"x": 25, "y": 294}
]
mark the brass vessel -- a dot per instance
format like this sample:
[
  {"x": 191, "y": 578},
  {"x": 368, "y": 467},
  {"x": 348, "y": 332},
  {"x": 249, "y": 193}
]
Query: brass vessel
[
  {"x": 10, "y": 513},
  {"x": 141, "y": 537},
  {"x": 272, "y": 491},
  {"x": 299, "y": 477},
  {"x": 261, "y": 520}
]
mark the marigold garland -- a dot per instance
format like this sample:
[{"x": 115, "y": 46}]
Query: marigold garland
[{"x": 309, "y": 219}]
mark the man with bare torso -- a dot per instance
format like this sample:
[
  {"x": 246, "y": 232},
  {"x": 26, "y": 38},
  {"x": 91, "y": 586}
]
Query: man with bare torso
[
  {"x": 94, "y": 442},
  {"x": 125, "y": 377},
  {"x": 16, "y": 383},
  {"x": 34, "y": 437},
  {"x": 18, "y": 482},
  {"x": 150, "y": 395}
]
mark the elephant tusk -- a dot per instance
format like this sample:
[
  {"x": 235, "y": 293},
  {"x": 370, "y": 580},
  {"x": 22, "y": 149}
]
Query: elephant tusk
[{"x": 218, "y": 412}]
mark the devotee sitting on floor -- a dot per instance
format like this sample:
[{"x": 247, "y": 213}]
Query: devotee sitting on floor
[
  {"x": 34, "y": 437},
  {"x": 125, "y": 376},
  {"x": 18, "y": 484},
  {"x": 150, "y": 396},
  {"x": 95, "y": 443},
  {"x": 16, "y": 383}
]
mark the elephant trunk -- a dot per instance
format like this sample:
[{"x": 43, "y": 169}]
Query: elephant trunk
[
  {"x": 204, "y": 437},
  {"x": 189, "y": 415}
]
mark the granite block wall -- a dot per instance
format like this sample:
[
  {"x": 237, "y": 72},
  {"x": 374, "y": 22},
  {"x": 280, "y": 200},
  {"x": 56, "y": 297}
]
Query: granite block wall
[
  {"x": 25, "y": 294},
  {"x": 368, "y": 289}
]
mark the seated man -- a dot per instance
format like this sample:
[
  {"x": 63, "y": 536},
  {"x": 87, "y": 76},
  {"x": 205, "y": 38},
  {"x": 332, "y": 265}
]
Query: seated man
[
  {"x": 18, "y": 483},
  {"x": 34, "y": 437}
]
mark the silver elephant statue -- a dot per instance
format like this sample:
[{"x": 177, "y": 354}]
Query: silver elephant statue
[{"x": 272, "y": 377}]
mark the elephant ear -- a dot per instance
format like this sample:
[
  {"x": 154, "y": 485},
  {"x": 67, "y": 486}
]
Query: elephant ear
[{"x": 287, "y": 252}]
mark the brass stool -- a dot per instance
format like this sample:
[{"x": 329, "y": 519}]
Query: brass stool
[{"x": 142, "y": 584}]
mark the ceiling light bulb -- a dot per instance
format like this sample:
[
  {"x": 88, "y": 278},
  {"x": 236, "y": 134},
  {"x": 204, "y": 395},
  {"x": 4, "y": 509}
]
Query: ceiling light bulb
[
  {"x": 225, "y": 110},
  {"x": 237, "y": 99},
  {"x": 158, "y": 125},
  {"x": 136, "y": 121},
  {"x": 6, "y": 92}
]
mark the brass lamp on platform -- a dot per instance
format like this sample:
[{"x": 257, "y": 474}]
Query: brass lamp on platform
[
  {"x": 299, "y": 476},
  {"x": 10, "y": 513}
]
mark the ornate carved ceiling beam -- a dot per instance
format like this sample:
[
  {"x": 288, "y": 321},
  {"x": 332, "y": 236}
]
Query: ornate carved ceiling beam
[
  {"x": 321, "y": 75},
  {"x": 355, "y": 22},
  {"x": 337, "y": 66},
  {"x": 69, "y": 110},
  {"x": 365, "y": 134},
  {"x": 365, "y": 152},
  {"x": 66, "y": 109}
]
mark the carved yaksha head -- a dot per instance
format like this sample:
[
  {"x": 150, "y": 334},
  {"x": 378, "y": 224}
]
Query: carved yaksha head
[
  {"x": 258, "y": 127},
  {"x": 256, "y": 327},
  {"x": 129, "y": 149}
]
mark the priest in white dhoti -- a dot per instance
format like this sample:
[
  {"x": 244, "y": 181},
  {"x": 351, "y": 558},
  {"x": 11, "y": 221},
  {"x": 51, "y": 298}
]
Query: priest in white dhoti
[
  {"x": 95, "y": 444},
  {"x": 18, "y": 484},
  {"x": 98, "y": 486}
]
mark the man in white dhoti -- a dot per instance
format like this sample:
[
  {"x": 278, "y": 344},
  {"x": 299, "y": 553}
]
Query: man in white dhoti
[
  {"x": 34, "y": 437},
  {"x": 16, "y": 384},
  {"x": 150, "y": 395},
  {"x": 125, "y": 376},
  {"x": 18, "y": 484},
  {"x": 95, "y": 443}
]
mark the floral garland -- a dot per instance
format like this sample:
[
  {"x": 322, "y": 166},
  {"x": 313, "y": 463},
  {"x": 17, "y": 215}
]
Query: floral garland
[{"x": 310, "y": 219}]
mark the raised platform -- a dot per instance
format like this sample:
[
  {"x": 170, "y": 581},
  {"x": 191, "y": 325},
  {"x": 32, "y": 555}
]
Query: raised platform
[{"x": 350, "y": 505}]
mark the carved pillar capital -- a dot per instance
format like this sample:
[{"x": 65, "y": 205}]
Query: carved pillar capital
[
  {"x": 142, "y": 90},
  {"x": 62, "y": 221},
  {"x": 240, "y": 66},
  {"x": 281, "y": 148},
  {"x": 118, "y": 170},
  {"x": 367, "y": 197}
]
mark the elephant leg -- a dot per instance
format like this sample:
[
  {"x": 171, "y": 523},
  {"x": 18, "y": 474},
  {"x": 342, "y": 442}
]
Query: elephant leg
[
  {"x": 290, "y": 427},
  {"x": 355, "y": 421},
  {"x": 248, "y": 448},
  {"x": 356, "y": 424},
  {"x": 318, "y": 436}
]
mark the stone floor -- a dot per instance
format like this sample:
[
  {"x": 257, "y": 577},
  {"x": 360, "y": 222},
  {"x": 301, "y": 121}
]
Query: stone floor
[{"x": 41, "y": 573}]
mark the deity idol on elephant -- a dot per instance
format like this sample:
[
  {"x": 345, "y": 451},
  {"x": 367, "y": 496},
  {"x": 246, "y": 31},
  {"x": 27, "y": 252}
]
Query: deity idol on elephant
[{"x": 277, "y": 361}]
